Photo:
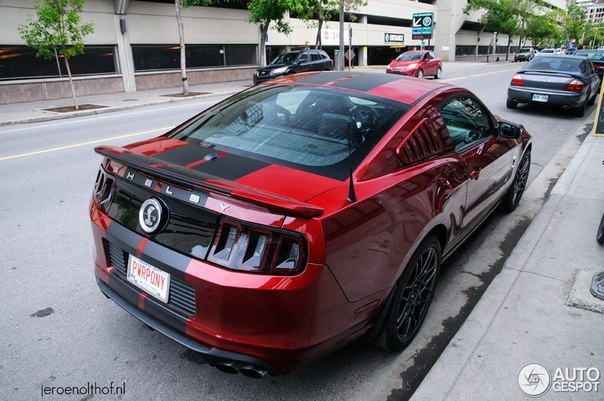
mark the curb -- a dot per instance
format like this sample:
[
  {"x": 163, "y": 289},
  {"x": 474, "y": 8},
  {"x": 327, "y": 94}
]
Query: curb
[{"x": 110, "y": 109}]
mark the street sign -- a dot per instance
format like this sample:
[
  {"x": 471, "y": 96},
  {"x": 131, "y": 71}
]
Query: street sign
[
  {"x": 421, "y": 26},
  {"x": 394, "y": 38},
  {"x": 349, "y": 55}
]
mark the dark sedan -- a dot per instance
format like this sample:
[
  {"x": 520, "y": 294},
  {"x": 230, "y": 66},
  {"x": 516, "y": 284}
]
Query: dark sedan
[
  {"x": 293, "y": 62},
  {"x": 568, "y": 82}
]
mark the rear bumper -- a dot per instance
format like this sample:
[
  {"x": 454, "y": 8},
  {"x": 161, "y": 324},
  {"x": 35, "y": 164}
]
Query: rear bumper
[
  {"x": 119, "y": 292},
  {"x": 556, "y": 98}
]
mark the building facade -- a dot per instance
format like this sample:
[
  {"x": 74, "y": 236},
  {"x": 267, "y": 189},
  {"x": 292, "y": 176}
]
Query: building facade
[{"x": 135, "y": 43}]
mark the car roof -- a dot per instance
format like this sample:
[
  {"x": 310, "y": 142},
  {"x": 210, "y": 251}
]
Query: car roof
[{"x": 400, "y": 88}]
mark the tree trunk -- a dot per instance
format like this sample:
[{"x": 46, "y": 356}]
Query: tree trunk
[
  {"x": 183, "y": 50},
  {"x": 73, "y": 94},
  {"x": 319, "y": 36},
  {"x": 507, "y": 54},
  {"x": 478, "y": 43},
  {"x": 263, "y": 33}
]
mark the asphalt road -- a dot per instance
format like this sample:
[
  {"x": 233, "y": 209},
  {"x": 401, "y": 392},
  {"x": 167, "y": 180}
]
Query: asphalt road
[{"x": 58, "y": 330}]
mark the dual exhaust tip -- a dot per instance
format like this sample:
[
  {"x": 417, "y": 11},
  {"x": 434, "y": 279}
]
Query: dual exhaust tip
[{"x": 246, "y": 369}]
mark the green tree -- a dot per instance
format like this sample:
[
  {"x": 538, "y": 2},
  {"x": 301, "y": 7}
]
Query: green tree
[
  {"x": 179, "y": 5},
  {"x": 542, "y": 30},
  {"x": 320, "y": 11},
  {"x": 267, "y": 12},
  {"x": 57, "y": 28},
  {"x": 498, "y": 16}
]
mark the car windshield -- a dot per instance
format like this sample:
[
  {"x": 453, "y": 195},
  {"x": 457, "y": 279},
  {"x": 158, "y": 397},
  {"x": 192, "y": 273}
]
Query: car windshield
[
  {"x": 325, "y": 131},
  {"x": 286, "y": 58},
  {"x": 598, "y": 56},
  {"x": 545, "y": 51},
  {"x": 565, "y": 64},
  {"x": 408, "y": 56},
  {"x": 585, "y": 53},
  {"x": 524, "y": 50}
]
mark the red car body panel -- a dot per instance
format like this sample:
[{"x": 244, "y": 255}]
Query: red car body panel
[{"x": 356, "y": 250}]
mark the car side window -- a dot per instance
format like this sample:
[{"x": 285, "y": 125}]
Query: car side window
[
  {"x": 428, "y": 56},
  {"x": 467, "y": 121},
  {"x": 315, "y": 57},
  {"x": 303, "y": 58},
  {"x": 432, "y": 55}
]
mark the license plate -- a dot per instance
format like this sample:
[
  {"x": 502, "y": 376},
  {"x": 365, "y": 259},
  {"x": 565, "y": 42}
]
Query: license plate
[
  {"x": 540, "y": 98},
  {"x": 148, "y": 278}
]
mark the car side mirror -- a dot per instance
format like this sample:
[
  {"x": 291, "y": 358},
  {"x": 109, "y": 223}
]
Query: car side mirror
[{"x": 508, "y": 130}]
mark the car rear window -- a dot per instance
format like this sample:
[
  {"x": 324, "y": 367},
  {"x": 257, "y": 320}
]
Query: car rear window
[
  {"x": 557, "y": 64},
  {"x": 315, "y": 129}
]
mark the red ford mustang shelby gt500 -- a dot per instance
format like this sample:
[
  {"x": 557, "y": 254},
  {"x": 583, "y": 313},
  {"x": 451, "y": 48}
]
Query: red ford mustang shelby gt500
[{"x": 300, "y": 215}]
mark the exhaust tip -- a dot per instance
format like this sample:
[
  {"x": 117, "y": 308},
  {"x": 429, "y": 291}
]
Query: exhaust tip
[
  {"x": 252, "y": 371},
  {"x": 230, "y": 368}
]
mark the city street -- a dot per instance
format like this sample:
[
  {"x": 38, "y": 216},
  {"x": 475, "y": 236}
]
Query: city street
[{"x": 59, "y": 330}]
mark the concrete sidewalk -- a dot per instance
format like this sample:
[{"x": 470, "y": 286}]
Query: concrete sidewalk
[
  {"x": 529, "y": 313},
  {"x": 22, "y": 113}
]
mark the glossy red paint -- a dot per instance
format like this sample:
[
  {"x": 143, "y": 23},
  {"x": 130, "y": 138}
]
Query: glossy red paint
[
  {"x": 412, "y": 184},
  {"x": 425, "y": 64}
]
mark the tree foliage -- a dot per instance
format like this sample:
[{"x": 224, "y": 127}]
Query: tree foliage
[
  {"x": 57, "y": 29},
  {"x": 320, "y": 11},
  {"x": 272, "y": 12}
]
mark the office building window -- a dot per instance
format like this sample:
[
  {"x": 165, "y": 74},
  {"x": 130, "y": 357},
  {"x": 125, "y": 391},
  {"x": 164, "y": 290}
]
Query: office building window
[{"x": 20, "y": 62}]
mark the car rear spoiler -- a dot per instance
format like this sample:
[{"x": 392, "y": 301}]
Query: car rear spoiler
[{"x": 206, "y": 182}]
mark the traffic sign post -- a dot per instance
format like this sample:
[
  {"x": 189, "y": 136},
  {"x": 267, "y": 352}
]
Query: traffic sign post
[{"x": 421, "y": 27}]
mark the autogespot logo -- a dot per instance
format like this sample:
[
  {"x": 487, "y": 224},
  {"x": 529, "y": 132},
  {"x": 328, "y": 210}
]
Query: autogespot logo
[{"x": 534, "y": 379}]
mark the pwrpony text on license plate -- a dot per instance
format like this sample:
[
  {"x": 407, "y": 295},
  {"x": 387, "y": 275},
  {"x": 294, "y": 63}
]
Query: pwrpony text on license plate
[
  {"x": 148, "y": 278},
  {"x": 540, "y": 98}
]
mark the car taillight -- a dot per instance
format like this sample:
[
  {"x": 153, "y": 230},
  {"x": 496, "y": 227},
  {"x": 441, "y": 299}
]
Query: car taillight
[
  {"x": 598, "y": 67},
  {"x": 239, "y": 246},
  {"x": 103, "y": 189},
  {"x": 575, "y": 85},
  {"x": 517, "y": 81}
]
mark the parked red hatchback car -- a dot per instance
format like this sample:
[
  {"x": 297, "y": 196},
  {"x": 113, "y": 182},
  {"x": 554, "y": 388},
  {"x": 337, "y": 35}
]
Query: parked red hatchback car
[
  {"x": 301, "y": 215},
  {"x": 416, "y": 63}
]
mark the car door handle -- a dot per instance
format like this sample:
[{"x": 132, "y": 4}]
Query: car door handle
[{"x": 475, "y": 173}]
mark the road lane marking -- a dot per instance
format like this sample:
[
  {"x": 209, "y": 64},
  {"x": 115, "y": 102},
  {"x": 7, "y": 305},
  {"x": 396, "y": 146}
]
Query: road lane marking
[
  {"x": 480, "y": 75},
  {"x": 77, "y": 145}
]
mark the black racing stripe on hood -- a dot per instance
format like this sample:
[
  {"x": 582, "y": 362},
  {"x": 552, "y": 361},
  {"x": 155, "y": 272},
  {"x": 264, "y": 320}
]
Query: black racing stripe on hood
[
  {"x": 323, "y": 78},
  {"x": 185, "y": 154},
  {"x": 231, "y": 167},
  {"x": 366, "y": 82}
]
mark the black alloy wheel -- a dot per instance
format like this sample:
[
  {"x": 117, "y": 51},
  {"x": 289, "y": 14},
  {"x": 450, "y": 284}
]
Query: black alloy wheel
[
  {"x": 514, "y": 194},
  {"x": 412, "y": 298}
]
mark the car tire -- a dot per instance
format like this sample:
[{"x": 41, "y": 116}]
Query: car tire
[
  {"x": 412, "y": 297},
  {"x": 438, "y": 73},
  {"x": 512, "y": 197},
  {"x": 420, "y": 74},
  {"x": 580, "y": 111},
  {"x": 511, "y": 104}
]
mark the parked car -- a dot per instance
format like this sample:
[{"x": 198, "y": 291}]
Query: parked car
[
  {"x": 293, "y": 62},
  {"x": 525, "y": 54},
  {"x": 416, "y": 63},
  {"x": 551, "y": 50},
  {"x": 585, "y": 52},
  {"x": 597, "y": 60},
  {"x": 300, "y": 215},
  {"x": 569, "y": 82}
]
